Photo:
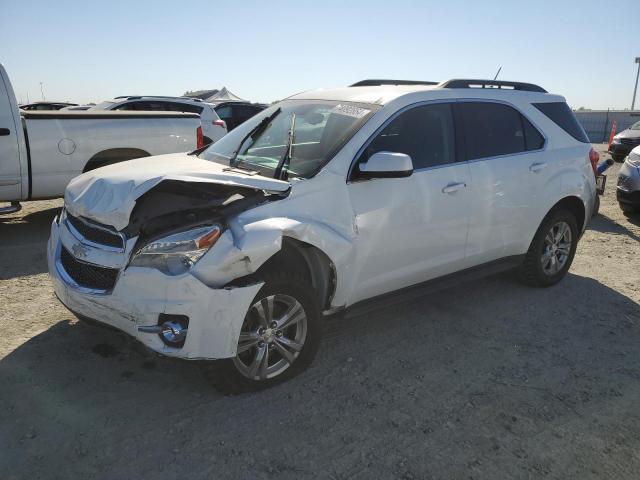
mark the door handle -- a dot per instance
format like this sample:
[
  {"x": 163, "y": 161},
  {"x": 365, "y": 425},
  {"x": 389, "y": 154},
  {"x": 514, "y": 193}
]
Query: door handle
[
  {"x": 4, "y": 132},
  {"x": 454, "y": 187},
  {"x": 536, "y": 167}
]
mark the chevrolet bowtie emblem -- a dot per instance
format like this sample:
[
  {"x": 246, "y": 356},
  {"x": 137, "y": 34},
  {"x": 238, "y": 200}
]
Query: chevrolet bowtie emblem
[{"x": 79, "y": 251}]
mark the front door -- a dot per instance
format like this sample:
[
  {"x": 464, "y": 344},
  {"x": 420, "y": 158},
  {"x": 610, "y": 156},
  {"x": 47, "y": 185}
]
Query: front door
[{"x": 411, "y": 229}]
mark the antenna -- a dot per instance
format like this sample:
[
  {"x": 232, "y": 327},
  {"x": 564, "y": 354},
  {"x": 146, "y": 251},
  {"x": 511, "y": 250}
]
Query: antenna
[
  {"x": 42, "y": 91},
  {"x": 497, "y": 73}
]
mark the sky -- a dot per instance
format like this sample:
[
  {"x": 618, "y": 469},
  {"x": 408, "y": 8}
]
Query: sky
[{"x": 86, "y": 51}]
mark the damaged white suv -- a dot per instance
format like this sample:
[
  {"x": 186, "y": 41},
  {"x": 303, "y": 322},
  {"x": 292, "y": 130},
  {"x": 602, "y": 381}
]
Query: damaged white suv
[{"x": 325, "y": 200}]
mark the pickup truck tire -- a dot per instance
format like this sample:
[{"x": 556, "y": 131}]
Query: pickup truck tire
[
  {"x": 279, "y": 339},
  {"x": 552, "y": 250}
]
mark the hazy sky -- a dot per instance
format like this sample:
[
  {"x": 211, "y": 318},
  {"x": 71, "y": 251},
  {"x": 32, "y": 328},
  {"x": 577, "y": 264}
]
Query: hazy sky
[{"x": 265, "y": 50}]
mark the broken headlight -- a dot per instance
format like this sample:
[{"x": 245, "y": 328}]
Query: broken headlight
[{"x": 177, "y": 253}]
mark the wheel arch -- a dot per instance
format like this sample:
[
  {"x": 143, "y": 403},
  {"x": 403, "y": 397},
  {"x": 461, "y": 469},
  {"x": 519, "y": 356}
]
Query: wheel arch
[
  {"x": 575, "y": 205},
  {"x": 308, "y": 260},
  {"x": 114, "y": 155}
]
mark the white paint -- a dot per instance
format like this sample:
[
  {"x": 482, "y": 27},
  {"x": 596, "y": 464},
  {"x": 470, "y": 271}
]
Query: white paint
[{"x": 380, "y": 235}]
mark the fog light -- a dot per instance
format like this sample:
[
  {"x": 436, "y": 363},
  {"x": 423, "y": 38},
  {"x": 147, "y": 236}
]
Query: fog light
[
  {"x": 172, "y": 329},
  {"x": 173, "y": 333}
]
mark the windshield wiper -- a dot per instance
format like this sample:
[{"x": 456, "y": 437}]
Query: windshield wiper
[
  {"x": 283, "y": 165},
  {"x": 258, "y": 129}
]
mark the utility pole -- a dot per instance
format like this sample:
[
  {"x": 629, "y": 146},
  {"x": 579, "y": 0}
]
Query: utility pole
[
  {"x": 635, "y": 90},
  {"x": 42, "y": 91}
]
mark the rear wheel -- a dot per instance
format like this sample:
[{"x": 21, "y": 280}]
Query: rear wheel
[
  {"x": 279, "y": 338},
  {"x": 552, "y": 250}
]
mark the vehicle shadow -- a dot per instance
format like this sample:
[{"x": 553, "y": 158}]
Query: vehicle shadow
[
  {"x": 603, "y": 224},
  {"x": 495, "y": 376},
  {"x": 23, "y": 240}
]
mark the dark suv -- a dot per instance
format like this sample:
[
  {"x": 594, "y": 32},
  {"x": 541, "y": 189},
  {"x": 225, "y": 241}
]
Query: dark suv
[
  {"x": 235, "y": 113},
  {"x": 625, "y": 141}
]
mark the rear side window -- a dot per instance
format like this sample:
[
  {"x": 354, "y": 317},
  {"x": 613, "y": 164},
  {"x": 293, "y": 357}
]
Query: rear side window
[
  {"x": 491, "y": 129},
  {"x": 561, "y": 115},
  {"x": 533, "y": 139},
  {"x": 424, "y": 133},
  {"x": 494, "y": 129}
]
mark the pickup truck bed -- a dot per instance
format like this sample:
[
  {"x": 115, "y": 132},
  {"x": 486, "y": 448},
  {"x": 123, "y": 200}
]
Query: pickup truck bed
[
  {"x": 62, "y": 145},
  {"x": 41, "y": 151}
]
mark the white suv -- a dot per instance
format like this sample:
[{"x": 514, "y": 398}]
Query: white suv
[
  {"x": 213, "y": 128},
  {"x": 326, "y": 200}
]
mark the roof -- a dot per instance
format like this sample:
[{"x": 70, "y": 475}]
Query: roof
[
  {"x": 385, "y": 92},
  {"x": 378, "y": 95}
]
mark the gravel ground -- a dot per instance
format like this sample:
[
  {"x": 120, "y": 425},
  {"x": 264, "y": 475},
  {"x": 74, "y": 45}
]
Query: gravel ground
[{"x": 484, "y": 381}]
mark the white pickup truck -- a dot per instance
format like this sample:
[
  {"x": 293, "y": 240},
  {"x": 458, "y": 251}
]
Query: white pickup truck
[{"x": 40, "y": 152}]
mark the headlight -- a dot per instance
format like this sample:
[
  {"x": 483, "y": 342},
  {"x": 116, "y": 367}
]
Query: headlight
[
  {"x": 616, "y": 139},
  {"x": 634, "y": 159},
  {"x": 177, "y": 253}
]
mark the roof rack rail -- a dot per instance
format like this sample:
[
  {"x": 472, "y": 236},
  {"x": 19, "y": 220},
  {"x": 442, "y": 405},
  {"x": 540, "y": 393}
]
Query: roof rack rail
[
  {"x": 377, "y": 83},
  {"x": 135, "y": 97},
  {"x": 500, "y": 84}
]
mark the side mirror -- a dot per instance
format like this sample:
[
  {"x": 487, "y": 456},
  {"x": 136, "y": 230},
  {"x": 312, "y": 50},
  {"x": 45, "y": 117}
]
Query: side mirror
[{"x": 386, "y": 165}]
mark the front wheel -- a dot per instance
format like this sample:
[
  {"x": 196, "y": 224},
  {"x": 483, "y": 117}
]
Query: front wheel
[
  {"x": 552, "y": 250},
  {"x": 279, "y": 338}
]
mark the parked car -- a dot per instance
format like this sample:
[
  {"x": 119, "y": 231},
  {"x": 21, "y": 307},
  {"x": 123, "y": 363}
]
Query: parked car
[
  {"x": 624, "y": 142},
  {"x": 41, "y": 151},
  {"x": 236, "y": 113},
  {"x": 46, "y": 106},
  {"x": 628, "y": 191},
  {"x": 328, "y": 200},
  {"x": 213, "y": 128}
]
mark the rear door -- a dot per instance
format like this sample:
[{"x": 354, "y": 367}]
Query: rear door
[
  {"x": 11, "y": 137},
  {"x": 411, "y": 229},
  {"x": 508, "y": 169}
]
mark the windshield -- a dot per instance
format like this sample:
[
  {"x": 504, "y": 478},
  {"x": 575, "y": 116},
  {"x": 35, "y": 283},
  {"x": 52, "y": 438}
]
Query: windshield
[
  {"x": 635, "y": 126},
  {"x": 319, "y": 130}
]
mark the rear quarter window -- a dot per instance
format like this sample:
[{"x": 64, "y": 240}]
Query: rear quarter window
[{"x": 560, "y": 114}]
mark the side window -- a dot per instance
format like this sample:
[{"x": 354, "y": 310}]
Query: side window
[
  {"x": 532, "y": 137},
  {"x": 424, "y": 133},
  {"x": 561, "y": 115},
  {"x": 491, "y": 129},
  {"x": 224, "y": 112}
]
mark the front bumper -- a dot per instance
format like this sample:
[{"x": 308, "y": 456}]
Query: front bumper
[
  {"x": 628, "y": 188},
  {"x": 621, "y": 149},
  {"x": 140, "y": 295}
]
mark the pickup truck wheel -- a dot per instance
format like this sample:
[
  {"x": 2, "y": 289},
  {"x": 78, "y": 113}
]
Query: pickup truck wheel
[
  {"x": 551, "y": 251},
  {"x": 279, "y": 338}
]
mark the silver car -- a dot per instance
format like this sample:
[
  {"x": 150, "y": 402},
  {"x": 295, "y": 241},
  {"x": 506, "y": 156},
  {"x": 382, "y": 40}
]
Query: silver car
[{"x": 628, "y": 191}]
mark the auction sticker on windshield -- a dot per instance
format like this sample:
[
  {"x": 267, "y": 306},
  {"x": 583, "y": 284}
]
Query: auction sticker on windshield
[{"x": 350, "y": 110}]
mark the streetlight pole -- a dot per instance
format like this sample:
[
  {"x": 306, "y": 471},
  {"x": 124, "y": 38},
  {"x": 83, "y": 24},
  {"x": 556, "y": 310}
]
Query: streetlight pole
[{"x": 635, "y": 90}]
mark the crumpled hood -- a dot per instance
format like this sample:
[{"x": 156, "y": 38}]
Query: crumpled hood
[{"x": 108, "y": 194}]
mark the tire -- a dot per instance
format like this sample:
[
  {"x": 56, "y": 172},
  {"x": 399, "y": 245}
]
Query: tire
[
  {"x": 596, "y": 206},
  {"x": 235, "y": 375},
  {"x": 543, "y": 272},
  {"x": 618, "y": 158},
  {"x": 628, "y": 209}
]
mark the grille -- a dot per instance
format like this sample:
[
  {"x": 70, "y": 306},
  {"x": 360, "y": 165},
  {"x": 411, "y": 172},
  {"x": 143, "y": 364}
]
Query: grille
[
  {"x": 630, "y": 141},
  {"x": 86, "y": 275},
  {"x": 99, "y": 235}
]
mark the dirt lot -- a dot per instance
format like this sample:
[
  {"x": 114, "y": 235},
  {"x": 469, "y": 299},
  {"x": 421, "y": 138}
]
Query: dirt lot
[{"x": 488, "y": 380}]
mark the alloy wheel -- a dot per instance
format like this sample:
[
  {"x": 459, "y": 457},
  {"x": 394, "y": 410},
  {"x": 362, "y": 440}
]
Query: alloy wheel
[
  {"x": 272, "y": 337},
  {"x": 556, "y": 248}
]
